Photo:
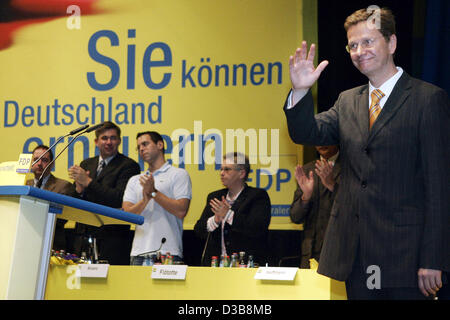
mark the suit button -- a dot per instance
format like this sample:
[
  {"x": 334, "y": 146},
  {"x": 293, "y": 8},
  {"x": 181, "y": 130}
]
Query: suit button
[
  {"x": 364, "y": 184},
  {"x": 366, "y": 150}
]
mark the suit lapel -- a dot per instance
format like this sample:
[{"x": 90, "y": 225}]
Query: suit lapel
[
  {"x": 238, "y": 203},
  {"x": 336, "y": 169},
  {"x": 362, "y": 112},
  {"x": 91, "y": 166},
  {"x": 50, "y": 183},
  {"x": 396, "y": 100}
]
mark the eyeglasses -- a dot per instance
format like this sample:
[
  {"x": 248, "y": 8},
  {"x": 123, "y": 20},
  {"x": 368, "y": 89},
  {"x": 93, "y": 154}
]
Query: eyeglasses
[
  {"x": 226, "y": 169},
  {"x": 365, "y": 44}
]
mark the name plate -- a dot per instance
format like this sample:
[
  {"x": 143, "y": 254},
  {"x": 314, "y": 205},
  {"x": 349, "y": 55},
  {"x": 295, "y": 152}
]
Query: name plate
[
  {"x": 93, "y": 270},
  {"x": 24, "y": 163},
  {"x": 274, "y": 273},
  {"x": 169, "y": 272}
]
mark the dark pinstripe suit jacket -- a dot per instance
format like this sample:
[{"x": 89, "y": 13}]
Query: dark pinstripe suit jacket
[
  {"x": 108, "y": 188},
  {"x": 393, "y": 197}
]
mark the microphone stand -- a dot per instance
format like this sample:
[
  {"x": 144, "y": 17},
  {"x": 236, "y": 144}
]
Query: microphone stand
[
  {"x": 59, "y": 139},
  {"x": 204, "y": 249},
  {"x": 163, "y": 240},
  {"x": 41, "y": 178}
]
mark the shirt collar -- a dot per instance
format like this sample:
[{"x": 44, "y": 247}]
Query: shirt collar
[
  {"x": 107, "y": 160},
  {"x": 44, "y": 181},
  {"x": 388, "y": 85},
  {"x": 231, "y": 201},
  {"x": 162, "y": 169},
  {"x": 331, "y": 159}
]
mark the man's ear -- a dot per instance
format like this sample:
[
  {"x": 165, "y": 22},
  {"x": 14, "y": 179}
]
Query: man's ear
[
  {"x": 160, "y": 145},
  {"x": 392, "y": 44},
  {"x": 242, "y": 174}
]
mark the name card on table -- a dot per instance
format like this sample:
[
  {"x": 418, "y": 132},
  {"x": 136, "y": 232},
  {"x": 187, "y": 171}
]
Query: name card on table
[
  {"x": 169, "y": 272},
  {"x": 274, "y": 273},
  {"x": 93, "y": 270}
]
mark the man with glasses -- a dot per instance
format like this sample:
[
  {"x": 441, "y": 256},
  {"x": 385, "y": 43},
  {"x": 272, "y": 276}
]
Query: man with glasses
[
  {"x": 102, "y": 179},
  {"x": 388, "y": 231},
  {"x": 162, "y": 196},
  {"x": 237, "y": 217},
  {"x": 50, "y": 183}
]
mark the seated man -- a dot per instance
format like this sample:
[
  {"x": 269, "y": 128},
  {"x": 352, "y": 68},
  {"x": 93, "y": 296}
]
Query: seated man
[
  {"x": 162, "y": 196},
  {"x": 50, "y": 183},
  {"x": 236, "y": 218},
  {"x": 313, "y": 200}
]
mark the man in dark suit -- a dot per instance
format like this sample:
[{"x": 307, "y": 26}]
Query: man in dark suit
[
  {"x": 50, "y": 183},
  {"x": 388, "y": 231},
  {"x": 313, "y": 199},
  {"x": 102, "y": 179},
  {"x": 236, "y": 218}
]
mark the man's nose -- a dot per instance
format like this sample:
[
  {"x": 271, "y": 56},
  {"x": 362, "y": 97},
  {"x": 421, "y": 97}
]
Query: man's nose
[{"x": 360, "y": 50}]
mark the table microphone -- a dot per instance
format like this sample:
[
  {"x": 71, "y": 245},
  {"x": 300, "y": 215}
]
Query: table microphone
[{"x": 163, "y": 240}]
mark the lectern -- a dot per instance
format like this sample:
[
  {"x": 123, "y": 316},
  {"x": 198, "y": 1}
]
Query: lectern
[{"x": 27, "y": 222}]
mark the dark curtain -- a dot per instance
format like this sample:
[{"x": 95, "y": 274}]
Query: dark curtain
[{"x": 436, "y": 62}]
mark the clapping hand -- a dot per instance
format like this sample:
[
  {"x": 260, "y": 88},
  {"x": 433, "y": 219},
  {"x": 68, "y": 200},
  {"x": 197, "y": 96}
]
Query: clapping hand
[
  {"x": 220, "y": 208},
  {"x": 148, "y": 185},
  {"x": 305, "y": 182},
  {"x": 325, "y": 172},
  {"x": 80, "y": 176}
]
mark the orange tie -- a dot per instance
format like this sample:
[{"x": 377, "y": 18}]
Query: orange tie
[{"x": 374, "y": 109}]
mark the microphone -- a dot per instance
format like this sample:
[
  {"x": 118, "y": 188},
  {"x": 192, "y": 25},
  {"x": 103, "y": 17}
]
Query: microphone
[
  {"x": 89, "y": 129},
  {"x": 94, "y": 127},
  {"x": 163, "y": 240},
  {"x": 78, "y": 130},
  {"x": 75, "y": 131}
]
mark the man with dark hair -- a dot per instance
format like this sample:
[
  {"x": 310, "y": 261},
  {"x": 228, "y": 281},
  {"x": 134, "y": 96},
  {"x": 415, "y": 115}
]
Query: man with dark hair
[
  {"x": 50, "y": 183},
  {"x": 313, "y": 199},
  {"x": 388, "y": 231},
  {"x": 162, "y": 196},
  {"x": 236, "y": 218},
  {"x": 102, "y": 179}
]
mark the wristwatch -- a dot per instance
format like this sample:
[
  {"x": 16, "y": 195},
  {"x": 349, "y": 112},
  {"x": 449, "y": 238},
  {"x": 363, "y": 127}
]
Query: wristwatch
[{"x": 154, "y": 193}]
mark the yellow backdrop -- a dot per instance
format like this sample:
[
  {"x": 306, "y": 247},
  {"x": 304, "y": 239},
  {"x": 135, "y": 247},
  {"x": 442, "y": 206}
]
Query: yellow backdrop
[{"x": 188, "y": 69}]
